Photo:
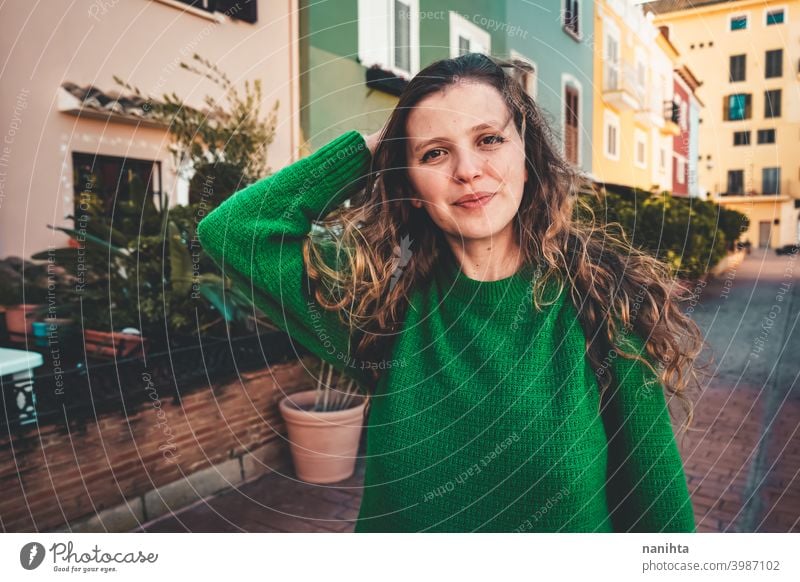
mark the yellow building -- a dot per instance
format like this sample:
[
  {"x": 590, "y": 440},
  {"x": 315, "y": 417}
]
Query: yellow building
[
  {"x": 747, "y": 54},
  {"x": 633, "y": 77}
]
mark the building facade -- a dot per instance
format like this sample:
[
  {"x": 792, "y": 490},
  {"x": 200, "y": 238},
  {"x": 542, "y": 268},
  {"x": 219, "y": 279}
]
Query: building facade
[
  {"x": 357, "y": 56},
  {"x": 686, "y": 143},
  {"x": 63, "y": 109},
  {"x": 746, "y": 52},
  {"x": 635, "y": 120}
]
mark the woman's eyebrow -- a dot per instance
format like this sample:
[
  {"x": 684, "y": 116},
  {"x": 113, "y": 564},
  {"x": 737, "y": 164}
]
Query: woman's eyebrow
[{"x": 476, "y": 128}]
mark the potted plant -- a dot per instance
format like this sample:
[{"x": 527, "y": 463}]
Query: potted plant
[
  {"x": 324, "y": 426},
  {"x": 22, "y": 292}
]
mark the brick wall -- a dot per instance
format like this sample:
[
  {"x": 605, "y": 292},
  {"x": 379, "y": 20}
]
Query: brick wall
[{"x": 51, "y": 476}]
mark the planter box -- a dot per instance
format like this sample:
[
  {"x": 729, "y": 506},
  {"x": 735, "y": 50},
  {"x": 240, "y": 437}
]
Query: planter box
[{"x": 104, "y": 344}]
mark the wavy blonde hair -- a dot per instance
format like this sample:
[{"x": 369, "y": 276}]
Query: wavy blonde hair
[{"x": 612, "y": 284}]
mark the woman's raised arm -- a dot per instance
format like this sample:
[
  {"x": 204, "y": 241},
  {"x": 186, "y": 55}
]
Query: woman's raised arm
[{"x": 256, "y": 237}]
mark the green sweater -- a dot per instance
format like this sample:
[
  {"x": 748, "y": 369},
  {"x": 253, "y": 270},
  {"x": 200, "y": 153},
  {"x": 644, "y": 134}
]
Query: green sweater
[{"x": 485, "y": 417}]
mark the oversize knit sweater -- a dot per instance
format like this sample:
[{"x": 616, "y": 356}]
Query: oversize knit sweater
[{"x": 487, "y": 413}]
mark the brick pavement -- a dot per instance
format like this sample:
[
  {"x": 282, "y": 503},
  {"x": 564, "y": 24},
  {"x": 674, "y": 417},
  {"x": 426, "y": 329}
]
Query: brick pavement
[
  {"x": 728, "y": 493},
  {"x": 718, "y": 452}
]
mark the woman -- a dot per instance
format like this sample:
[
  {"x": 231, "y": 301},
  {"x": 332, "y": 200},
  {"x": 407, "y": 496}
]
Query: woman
[{"x": 515, "y": 357}]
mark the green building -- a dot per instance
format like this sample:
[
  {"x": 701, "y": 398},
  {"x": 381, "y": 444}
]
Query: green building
[{"x": 357, "y": 55}]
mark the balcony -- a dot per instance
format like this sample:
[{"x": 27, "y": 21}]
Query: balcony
[
  {"x": 784, "y": 192},
  {"x": 620, "y": 87},
  {"x": 672, "y": 118},
  {"x": 651, "y": 115}
]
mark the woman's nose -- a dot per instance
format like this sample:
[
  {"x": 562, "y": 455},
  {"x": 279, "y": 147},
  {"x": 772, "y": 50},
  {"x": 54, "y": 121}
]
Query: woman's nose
[{"x": 469, "y": 165}]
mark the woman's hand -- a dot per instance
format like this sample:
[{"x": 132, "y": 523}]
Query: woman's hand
[{"x": 372, "y": 140}]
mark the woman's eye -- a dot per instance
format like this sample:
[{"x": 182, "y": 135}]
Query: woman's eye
[
  {"x": 493, "y": 139},
  {"x": 486, "y": 140},
  {"x": 428, "y": 155}
]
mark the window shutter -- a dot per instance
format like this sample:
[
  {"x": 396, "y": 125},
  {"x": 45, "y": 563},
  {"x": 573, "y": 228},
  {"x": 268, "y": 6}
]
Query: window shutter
[{"x": 373, "y": 32}]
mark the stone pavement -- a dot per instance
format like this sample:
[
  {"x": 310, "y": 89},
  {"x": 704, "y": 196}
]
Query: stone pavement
[
  {"x": 742, "y": 455},
  {"x": 275, "y": 502}
]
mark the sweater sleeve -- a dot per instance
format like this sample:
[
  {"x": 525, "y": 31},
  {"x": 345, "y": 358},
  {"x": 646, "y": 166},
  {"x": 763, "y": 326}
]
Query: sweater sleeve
[
  {"x": 256, "y": 238},
  {"x": 646, "y": 486}
]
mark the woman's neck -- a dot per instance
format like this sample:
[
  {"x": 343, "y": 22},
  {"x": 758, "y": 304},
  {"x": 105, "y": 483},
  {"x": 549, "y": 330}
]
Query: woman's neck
[{"x": 488, "y": 260}]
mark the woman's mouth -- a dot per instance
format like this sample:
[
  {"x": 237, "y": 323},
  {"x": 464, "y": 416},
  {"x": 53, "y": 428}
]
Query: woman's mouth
[{"x": 477, "y": 201}]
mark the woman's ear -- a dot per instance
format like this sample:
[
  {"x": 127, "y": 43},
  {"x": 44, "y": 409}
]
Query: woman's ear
[{"x": 416, "y": 202}]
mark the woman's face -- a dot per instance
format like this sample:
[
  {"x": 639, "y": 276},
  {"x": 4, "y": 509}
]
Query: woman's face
[{"x": 462, "y": 142}]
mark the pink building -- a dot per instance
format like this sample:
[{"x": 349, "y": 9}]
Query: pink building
[{"x": 685, "y": 103}]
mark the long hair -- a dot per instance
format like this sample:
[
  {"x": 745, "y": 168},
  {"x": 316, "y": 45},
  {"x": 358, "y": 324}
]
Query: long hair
[{"x": 611, "y": 283}]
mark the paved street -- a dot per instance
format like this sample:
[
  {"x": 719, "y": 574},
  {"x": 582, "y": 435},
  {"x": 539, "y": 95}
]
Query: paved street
[{"x": 742, "y": 456}]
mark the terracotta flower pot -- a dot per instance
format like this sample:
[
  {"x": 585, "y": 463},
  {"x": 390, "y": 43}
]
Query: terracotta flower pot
[
  {"x": 20, "y": 317},
  {"x": 324, "y": 445}
]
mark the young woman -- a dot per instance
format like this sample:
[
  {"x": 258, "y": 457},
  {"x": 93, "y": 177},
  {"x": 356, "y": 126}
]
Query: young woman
[{"x": 516, "y": 359}]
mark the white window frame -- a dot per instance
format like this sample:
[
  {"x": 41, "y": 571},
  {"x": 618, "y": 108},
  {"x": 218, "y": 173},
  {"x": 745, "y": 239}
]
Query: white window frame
[
  {"x": 567, "y": 79},
  {"x": 680, "y": 168},
  {"x": 376, "y": 33},
  {"x": 568, "y": 31},
  {"x": 746, "y": 14},
  {"x": 684, "y": 113},
  {"x": 460, "y": 26},
  {"x": 641, "y": 58},
  {"x": 533, "y": 79},
  {"x": 782, "y": 7},
  {"x": 611, "y": 120},
  {"x": 612, "y": 31},
  {"x": 640, "y": 137}
]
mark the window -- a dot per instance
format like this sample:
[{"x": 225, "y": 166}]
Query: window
[
  {"x": 402, "y": 35},
  {"x": 770, "y": 180},
  {"x": 397, "y": 51},
  {"x": 114, "y": 179},
  {"x": 571, "y": 123},
  {"x": 466, "y": 37},
  {"x": 662, "y": 160},
  {"x": 737, "y": 68},
  {"x": 572, "y": 18},
  {"x": 640, "y": 141},
  {"x": 527, "y": 78},
  {"x": 774, "y": 17},
  {"x": 735, "y": 182},
  {"x": 738, "y": 22},
  {"x": 680, "y": 172},
  {"x": 741, "y": 138},
  {"x": 766, "y": 136},
  {"x": 774, "y": 64},
  {"x": 641, "y": 70},
  {"x": 684, "y": 121},
  {"x": 737, "y": 107},
  {"x": 772, "y": 103},
  {"x": 611, "y": 136},
  {"x": 611, "y": 66},
  {"x": 245, "y": 10}
]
